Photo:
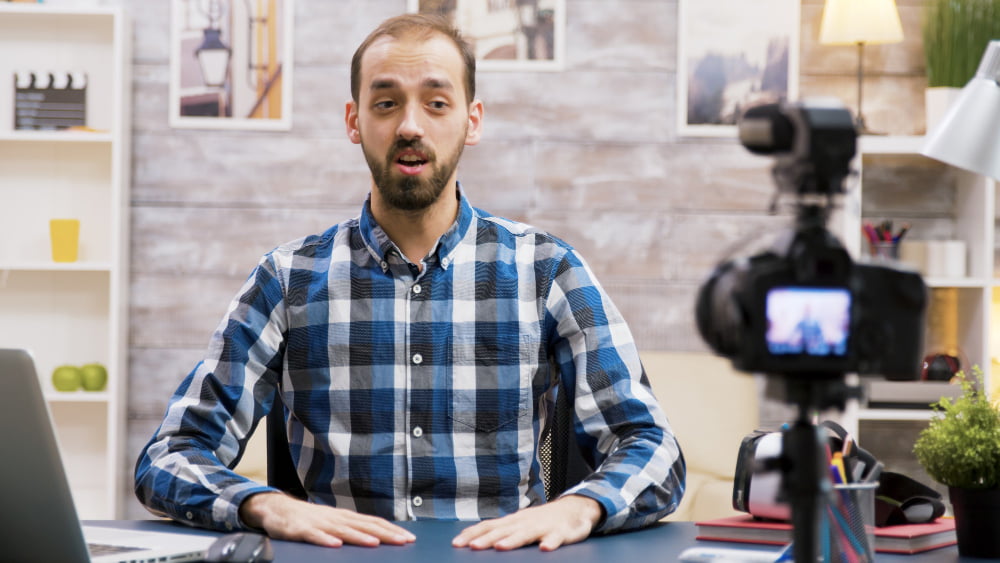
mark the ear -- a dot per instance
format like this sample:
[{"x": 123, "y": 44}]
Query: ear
[
  {"x": 475, "y": 131},
  {"x": 351, "y": 121}
]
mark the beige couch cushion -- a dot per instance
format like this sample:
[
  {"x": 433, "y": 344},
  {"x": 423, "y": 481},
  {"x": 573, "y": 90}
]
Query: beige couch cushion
[{"x": 711, "y": 407}]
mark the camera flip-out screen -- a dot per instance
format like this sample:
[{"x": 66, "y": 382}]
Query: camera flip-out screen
[{"x": 808, "y": 321}]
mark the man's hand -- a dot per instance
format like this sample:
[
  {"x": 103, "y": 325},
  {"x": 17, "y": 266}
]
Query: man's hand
[
  {"x": 563, "y": 521},
  {"x": 287, "y": 518}
]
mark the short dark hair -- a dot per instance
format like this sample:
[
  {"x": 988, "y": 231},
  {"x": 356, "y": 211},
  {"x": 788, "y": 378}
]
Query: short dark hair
[{"x": 422, "y": 26}]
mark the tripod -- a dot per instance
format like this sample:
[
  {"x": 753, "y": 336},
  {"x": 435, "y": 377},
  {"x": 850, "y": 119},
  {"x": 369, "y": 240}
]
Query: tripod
[{"x": 804, "y": 465}]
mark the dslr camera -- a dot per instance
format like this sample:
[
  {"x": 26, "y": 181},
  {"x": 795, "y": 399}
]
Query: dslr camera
[{"x": 803, "y": 307}]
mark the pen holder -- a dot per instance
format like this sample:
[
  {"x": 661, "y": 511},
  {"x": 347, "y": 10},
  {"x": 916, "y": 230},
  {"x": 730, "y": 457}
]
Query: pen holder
[
  {"x": 884, "y": 251},
  {"x": 849, "y": 524}
]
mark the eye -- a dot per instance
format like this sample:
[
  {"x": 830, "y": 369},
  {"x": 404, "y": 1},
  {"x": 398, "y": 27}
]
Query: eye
[
  {"x": 384, "y": 105},
  {"x": 438, "y": 105}
]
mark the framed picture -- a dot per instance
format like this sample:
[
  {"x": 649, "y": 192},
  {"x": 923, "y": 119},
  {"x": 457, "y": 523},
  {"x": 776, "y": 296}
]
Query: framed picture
[
  {"x": 733, "y": 54},
  {"x": 231, "y": 64},
  {"x": 507, "y": 34}
]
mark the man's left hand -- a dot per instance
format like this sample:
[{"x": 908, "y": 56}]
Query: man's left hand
[{"x": 566, "y": 520}]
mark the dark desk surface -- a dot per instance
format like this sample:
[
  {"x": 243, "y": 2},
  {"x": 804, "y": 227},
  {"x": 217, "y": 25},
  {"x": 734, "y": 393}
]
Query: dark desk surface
[{"x": 661, "y": 543}]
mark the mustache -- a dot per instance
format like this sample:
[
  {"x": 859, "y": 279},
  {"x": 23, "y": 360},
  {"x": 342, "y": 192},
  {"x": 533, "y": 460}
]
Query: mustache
[{"x": 411, "y": 144}]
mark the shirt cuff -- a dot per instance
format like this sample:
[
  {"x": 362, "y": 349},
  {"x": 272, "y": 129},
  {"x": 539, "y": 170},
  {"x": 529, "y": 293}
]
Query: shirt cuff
[{"x": 227, "y": 507}]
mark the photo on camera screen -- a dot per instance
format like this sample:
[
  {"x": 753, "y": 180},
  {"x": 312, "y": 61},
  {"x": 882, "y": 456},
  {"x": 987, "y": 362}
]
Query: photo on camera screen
[{"x": 811, "y": 321}]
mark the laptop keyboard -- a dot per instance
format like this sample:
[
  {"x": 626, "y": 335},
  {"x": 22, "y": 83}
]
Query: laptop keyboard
[{"x": 97, "y": 549}]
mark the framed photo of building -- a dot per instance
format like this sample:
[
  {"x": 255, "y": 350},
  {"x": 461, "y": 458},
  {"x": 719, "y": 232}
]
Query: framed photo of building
[
  {"x": 733, "y": 54},
  {"x": 507, "y": 34},
  {"x": 231, "y": 64}
]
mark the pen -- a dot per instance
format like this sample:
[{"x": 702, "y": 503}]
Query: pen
[
  {"x": 870, "y": 233},
  {"x": 837, "y": 468},
  {"x": 902, "y": 232}
]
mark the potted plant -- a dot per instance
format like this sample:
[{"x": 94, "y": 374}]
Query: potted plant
[
  {"x": 955, "y": 34},
  {"x": 960, "y": 448}
]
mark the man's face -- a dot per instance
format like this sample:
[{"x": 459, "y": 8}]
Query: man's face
[{"x": 412, "y": 118}]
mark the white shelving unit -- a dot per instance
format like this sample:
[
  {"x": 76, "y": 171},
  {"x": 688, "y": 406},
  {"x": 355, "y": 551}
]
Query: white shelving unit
[
  {"x": 70, "y": 313},
  {"x": 973, "y": 221}
]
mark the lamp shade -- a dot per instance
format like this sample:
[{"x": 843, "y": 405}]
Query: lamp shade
[
  {"x": 213, "y": 58},
  {"x": 969, "y": 134},
  {"x": 848, "y": 22}
]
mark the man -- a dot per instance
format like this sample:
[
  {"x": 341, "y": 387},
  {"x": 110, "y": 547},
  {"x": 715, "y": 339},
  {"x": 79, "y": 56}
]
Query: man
[{"x": 416, "y": 348}]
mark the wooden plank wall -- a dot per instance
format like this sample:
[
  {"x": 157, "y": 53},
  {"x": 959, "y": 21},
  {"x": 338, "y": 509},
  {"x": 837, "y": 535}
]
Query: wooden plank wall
[{"x": 590, "y": 153}]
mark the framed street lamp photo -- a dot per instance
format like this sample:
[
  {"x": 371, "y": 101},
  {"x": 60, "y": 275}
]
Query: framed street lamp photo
[
  {"x": 507, "y": 34},
  {"x": 731, "y": 55},
  {"x": 231, "y": 64}
]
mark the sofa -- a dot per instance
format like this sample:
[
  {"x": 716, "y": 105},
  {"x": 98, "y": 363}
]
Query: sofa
[{"x": 710, "y": 408}]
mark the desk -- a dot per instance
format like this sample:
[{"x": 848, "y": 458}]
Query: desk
[{"x": 661, "y": 543}]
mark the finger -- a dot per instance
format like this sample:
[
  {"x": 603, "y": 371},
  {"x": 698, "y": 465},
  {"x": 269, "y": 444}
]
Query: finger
[
  {"x": 321, "y": 538},
  {"x": 552, "y": 541},
  {"x": 489, "y": 539},
  {"x": 388, "y": 532},
  {"x": 354, "y": 536},
  {"x": 472, "y": 532},
  {"x": 516, "y": 538},
  {"x": 361, "y": 529}
]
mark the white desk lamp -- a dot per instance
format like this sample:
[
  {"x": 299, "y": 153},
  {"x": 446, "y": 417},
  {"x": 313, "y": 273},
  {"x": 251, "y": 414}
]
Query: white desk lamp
[
  {"x": 969, "y": 135},
  {"x": 860, "y": 22}
]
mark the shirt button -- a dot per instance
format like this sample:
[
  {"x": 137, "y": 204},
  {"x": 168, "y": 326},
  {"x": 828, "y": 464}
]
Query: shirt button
[
  {"x": 418, "y": 359},
  {"x": 418, "y": 431},
  {"x": 229, "y": 526},
  {"x": 385, "y": 265},
  {"x": 189, "y": 515},
  {"x": 417, "y": 501},
  {"x": 416, "y": 289}
]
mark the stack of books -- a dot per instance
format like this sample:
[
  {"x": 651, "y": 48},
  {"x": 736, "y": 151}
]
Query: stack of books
[{"x": 909, "y": 538}]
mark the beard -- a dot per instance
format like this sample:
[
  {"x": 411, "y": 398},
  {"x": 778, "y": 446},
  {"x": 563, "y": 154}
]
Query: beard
[{"x": 411, "y": 193}]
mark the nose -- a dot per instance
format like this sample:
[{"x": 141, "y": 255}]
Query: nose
[{"x": 410, "y": 127}]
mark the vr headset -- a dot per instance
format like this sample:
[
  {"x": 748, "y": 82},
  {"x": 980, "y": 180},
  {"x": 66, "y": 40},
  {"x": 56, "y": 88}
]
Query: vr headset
[{"x": 898, "y": 499}]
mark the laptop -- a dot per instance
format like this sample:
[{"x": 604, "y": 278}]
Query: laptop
[{"x": 39, "y": 521}]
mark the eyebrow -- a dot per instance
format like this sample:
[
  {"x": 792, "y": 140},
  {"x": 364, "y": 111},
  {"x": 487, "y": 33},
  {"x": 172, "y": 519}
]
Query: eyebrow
[{"x": 427, "y": 84}]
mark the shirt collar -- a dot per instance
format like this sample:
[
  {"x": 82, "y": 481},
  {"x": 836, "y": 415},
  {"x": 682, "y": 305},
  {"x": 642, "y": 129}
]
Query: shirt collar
[{"x": 380, "y": 245}]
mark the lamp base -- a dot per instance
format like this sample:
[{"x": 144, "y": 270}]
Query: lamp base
[{"x": 863, "y": 129}]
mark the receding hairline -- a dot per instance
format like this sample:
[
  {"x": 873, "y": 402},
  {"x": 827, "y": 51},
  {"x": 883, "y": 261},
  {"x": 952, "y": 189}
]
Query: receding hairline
[{"x": 421, "y": 28}]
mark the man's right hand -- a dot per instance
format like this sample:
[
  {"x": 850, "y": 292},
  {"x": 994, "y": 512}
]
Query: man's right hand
[{"x": 287, "y": 518}]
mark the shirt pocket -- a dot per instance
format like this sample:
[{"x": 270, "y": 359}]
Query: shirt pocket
[{"x": 491, "y": 385}]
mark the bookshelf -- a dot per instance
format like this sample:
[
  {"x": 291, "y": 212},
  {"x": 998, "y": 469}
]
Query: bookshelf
[
  {"x": 940, "y": 202},
  {"x": 962, "y": 207},
  {"x": 70, "y": 313}
]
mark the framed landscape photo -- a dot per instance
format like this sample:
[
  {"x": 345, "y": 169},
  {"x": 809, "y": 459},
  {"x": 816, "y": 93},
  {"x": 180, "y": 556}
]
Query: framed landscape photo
[
  {"x": 507, "y": 34},
  {"x": 733, "y": 54},
  {"x": 231, "y": 64}
]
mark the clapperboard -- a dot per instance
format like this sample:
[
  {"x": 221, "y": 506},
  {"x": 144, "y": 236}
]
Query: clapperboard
[{"x": 49, "y": 100}]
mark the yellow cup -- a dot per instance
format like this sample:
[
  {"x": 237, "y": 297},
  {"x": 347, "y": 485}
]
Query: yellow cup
[{"x": 65, "y": 235}]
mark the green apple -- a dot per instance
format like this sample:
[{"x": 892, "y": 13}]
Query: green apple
[
  {"x": 95, "y": 377},
  {"x": 67, "y": 378}
]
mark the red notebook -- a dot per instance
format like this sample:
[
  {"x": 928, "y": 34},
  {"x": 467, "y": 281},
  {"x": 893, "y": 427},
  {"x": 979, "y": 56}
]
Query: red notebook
[{"x": 909, "y": 538}]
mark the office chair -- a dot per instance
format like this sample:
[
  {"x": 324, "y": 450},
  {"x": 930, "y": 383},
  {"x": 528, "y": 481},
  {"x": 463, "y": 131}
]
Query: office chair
[
  {"x": 281, "y": 472},
  {"x": 562, "y": 463}
]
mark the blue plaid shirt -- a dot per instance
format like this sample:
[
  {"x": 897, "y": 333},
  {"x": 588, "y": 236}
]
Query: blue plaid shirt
[{"x": 417, "y": 393}]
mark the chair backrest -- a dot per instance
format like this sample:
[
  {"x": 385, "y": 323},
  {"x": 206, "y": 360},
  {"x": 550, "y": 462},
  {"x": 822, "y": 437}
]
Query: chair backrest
[
  {"x": 562, "y": 464},
  {"x": 281, "y": 472}
]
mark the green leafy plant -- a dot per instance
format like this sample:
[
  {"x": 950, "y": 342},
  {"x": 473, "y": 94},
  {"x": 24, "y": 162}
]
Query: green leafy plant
[
  {"x": 956, "y": 33},
  {"x": 961, "y": 446}
]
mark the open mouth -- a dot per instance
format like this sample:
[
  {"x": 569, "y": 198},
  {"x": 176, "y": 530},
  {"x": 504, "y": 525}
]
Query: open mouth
[{"x": 411, "y": 163}]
